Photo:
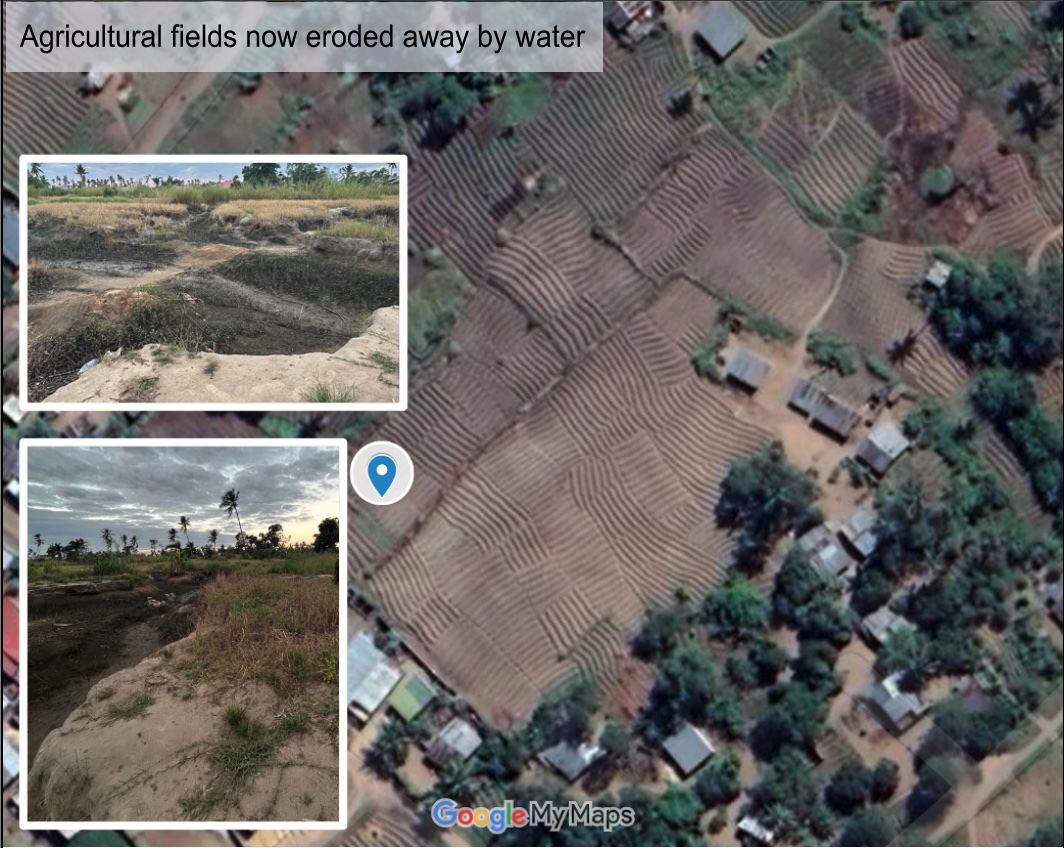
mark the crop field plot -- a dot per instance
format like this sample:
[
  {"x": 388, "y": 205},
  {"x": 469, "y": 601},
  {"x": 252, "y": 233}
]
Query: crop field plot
[
  {"x": 722, "y": 222},
  {"x": 853, "y": 62},
  {"x": 777, "y": 18},
  {"x": 171, "y": 292},
  {"x": 486, "y": 584},
  {"x": 874, "y": 309}
]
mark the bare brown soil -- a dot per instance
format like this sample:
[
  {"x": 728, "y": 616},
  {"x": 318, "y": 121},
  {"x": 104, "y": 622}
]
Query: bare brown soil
[
  {"x": 75, "y": 641},
  {"x": 103, "y": 279}
]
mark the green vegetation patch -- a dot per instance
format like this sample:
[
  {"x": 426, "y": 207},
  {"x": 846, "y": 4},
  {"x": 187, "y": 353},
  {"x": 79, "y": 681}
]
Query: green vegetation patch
[
  {"x": 435, "y": 301},
  {"x": 834, "y": 352},
  {"x": 741, "y": 96},
  {"x": 360, "y": 286}
]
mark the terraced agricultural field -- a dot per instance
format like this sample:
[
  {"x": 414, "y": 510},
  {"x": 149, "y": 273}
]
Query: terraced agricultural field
[
  {"x": 777, "y": 18},
  {"x": 841, "y": 161}
]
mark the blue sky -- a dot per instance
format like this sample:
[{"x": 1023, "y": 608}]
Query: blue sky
[{"x": 206, "y": 171}]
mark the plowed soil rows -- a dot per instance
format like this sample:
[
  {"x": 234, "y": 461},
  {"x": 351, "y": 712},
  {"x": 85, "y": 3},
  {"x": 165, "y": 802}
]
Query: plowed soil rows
[{"x": 721, "y": 222}]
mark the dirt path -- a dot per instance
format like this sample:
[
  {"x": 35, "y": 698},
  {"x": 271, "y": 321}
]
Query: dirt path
[
  {"x": 1044, "y": 243},
  {"x": 159, "y": 125},
  {"x": 994, "y": 773}
]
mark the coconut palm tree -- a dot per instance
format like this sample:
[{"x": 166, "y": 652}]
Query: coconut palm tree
[
  {"x": 347, "y": 173},
  {"x": 171, "y": 536},
  {"x": 108, "y": 539},
  {"x": 38, "y": 541},
  {"x": 36, "y": 170},
  {"x": 212, "y": 538},
  {"x": 1026, "y": 99},
  {"x": 230, "y": 501},
  {"x": 152, "y": 543},
  {"x": 81, "y": 172},
  {"x": 125, "y": 543},
  {"x": 183, "y": 523},
  {"x": 133, "y": 543}
]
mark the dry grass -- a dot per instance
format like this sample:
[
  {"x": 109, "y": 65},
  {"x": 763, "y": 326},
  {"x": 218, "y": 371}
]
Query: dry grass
[
  {"x": 274, "y": 211},
  {"x": 378, "y": 228},
  {"x": 283, "y": 631},
  {"x": 86, "y": 214}
]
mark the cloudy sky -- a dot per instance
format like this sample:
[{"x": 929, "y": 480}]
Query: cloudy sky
[
  {"x": 75, "y": 492},
  {"x": 206, "y": 171}
]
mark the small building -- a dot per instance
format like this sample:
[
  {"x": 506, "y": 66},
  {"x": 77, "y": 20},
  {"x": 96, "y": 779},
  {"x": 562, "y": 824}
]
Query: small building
[
  {"x": 410, "y": 697},
  {"x": 621, "y": 14},
  {"x": 571, "y": 761},
  {"x": 10, "y": 763},
  {"x": 938, "y": 275},
  {"x": 688, "y": 749},
  {"x": 750, "y": 827},
  {"x": 11, "y": 637},
  {"x": 1054, "y": 605},
  {"x": 859, "y": 532},
  {"x": 12, "y": 410},
  {"x": 896, "y": 709},
  {"x": 878, "y": 626},
  {"x": 747, "y": 369},
  {"x": 833, "y": 416},
  {"x": 826, "y": 554},
  {"x": 370, "y": 677},
  {"x": 805, "y": 395},
  {"x": 721, "y": 29},
  {"x": 882, "y": 447},
  {"x": 458, "y": 739}
]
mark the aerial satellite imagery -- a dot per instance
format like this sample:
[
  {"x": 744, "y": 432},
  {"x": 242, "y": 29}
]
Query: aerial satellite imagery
[{"x": 731, "y": 476}]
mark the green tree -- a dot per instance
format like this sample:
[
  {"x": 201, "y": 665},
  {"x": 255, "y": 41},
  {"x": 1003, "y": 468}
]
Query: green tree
[
  {"x": 328, "y": 536},
  {"x": 261, "y": 173},
  {"x": 734, "y": 610},
  {"x": 81, "y": 172},
  {"x": 793, "y": 719},
  {"x": 661, "y": 631},
  {"x": 869, "y": 827},
  {"x": 849, "y": 788},
  {"x": 184, "y": 525},
  {"x": 885, "y": 777},
  {"x": 108, "y": 539},
  {"x": 718, "y": 781},
  {"x": 230, "y": 504},
  {"x": 765, "y": 496}
]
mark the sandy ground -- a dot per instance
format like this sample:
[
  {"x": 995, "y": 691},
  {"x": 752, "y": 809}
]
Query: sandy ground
[
  {"x": 95, "y": 768},
  {"x": 247, "y": 379}
]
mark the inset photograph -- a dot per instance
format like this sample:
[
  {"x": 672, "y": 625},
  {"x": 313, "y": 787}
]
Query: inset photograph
[
  {"x": 229, "y": 282},
  {"x": 182, "y": 624}
]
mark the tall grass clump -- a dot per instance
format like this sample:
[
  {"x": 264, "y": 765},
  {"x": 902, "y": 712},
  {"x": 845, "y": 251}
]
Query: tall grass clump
[{"x": 277, "y": 630}]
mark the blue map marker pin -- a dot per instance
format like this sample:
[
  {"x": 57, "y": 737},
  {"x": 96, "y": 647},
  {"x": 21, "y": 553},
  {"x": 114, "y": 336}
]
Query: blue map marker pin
[{"x": 381, "y": 473}]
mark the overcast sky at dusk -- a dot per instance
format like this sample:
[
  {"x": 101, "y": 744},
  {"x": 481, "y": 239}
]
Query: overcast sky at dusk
[{"x": 75, "y": 492}]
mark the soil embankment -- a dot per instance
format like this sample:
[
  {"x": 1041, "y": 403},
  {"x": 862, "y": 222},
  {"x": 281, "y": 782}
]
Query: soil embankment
[
  {"x": 360, "y": 371},
  {"x": 76, "y": 640}
]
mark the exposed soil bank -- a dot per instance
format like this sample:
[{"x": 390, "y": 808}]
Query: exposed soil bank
[
  {"x": 76, "y": 640},
  {"x": 363, "y": 370}
]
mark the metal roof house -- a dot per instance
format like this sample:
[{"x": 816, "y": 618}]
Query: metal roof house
[
  {"x": 859, "y": 532},
  {"x": 688, "y": 749},
  {"x": 721, "y": 29},
  {"x": 882, "y": 447},
  {"x": 747, "y": 369},
  {"x": 879, "y": 625},
  {"x": 939, "y": 274},
  {"x": 569, "y": 761},
  {"x": 10, "y": 763},
  {"x": 620, "y": 14},
  {"x": 826, "y": 554},
  {"x": 897, "y": 710},
  {"x": 832, "y": 415},
  {"x": 370, "y": 677},
  {"x": 411, "y": 696},
  {"x": 751, "y": 827},
  {"x": 458, "y": 739},
  {"x": 805, "y": 395}
]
